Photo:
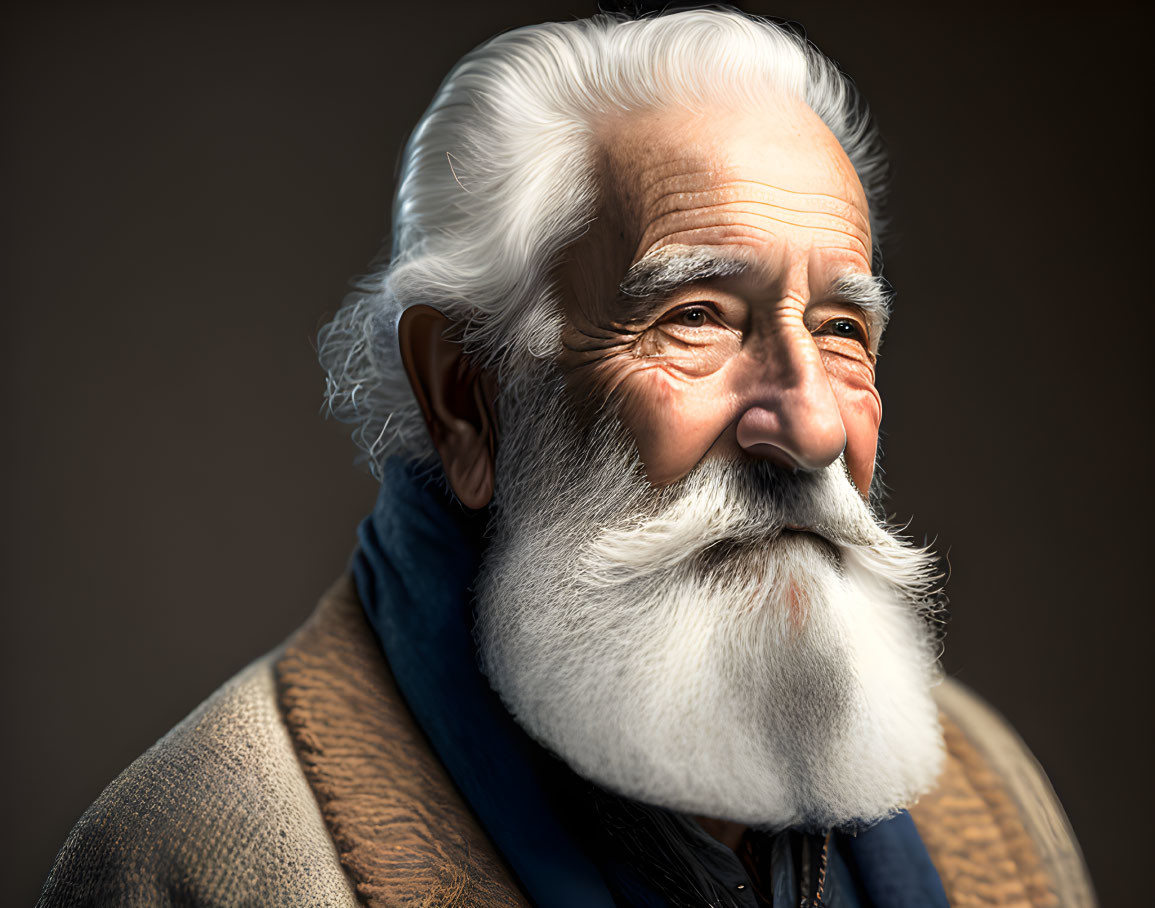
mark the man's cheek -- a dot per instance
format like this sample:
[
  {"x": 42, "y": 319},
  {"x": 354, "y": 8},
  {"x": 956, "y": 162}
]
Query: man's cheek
[
  {"x": 659, "y": 424},
  {"x": 674, "y": 422},
  {"x": 861, "y": 410}
]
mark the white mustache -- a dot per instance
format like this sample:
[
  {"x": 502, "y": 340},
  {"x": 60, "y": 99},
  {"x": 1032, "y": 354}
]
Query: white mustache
[{"x": 745, "y": 505}]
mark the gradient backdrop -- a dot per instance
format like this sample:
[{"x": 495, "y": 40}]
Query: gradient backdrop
[{"x": 188, "y": 188}]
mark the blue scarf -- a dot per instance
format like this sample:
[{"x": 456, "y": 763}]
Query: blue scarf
[{"x": 419, "y": 553}]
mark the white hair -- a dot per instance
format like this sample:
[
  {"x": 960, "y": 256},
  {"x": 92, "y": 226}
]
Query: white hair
[{"x": 499, "y": 177}]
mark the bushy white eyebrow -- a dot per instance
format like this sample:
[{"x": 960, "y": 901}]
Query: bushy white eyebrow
[
  {"x": 870, "y": 293},
  {"x": 673, "y": 267}
]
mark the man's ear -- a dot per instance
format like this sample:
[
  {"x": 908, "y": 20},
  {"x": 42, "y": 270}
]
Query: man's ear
[{"x": 456, "y": 400}]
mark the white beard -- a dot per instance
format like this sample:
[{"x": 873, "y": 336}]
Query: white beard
[{"x": 676, "y": 647}]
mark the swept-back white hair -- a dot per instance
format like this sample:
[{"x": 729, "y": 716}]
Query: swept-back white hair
[{"x": 499, "y": 177}]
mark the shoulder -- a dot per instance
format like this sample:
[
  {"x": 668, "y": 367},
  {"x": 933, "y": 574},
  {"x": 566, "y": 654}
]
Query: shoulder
[
  {"x": 216, "y": 812},
  {"x": 994, "y": 826},
  {"x": 303, "y": 780}
]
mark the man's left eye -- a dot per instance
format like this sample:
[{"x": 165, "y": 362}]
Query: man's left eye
[
  {"x": 691, "y": 317},
  {"x": 844, "y": 327}
]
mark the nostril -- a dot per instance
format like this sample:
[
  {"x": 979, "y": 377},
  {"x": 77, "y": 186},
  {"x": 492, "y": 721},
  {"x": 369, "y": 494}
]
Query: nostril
[{"x": 774, "y": 454}]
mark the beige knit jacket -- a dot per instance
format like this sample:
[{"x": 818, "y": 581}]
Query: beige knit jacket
[{"x": 305, "y": 781}]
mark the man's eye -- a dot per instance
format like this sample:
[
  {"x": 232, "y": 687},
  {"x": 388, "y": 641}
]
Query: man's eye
[
  {"x": 690, "y": 317},
  {"x": 844, "y": 327}
]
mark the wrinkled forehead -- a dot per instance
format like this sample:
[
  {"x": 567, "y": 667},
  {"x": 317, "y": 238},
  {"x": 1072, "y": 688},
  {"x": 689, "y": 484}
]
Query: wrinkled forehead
[{"x": 728, "y": 176}]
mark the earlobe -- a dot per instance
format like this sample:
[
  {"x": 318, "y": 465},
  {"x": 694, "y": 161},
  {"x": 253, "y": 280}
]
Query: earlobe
[{"x": 456, "y": 400}]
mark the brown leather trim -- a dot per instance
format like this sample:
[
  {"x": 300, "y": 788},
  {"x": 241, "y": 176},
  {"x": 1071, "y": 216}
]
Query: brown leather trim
[{"x": 403, "y": 833}]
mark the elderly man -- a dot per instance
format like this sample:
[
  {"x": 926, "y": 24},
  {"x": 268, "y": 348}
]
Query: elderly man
[{"x": 623, "y": 627}]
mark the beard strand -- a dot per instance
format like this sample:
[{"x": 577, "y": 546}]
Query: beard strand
[{"x": 682, "y": 647}]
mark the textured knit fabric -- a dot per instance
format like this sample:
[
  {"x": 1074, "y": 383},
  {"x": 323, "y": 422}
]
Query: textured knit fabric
[
  {"x": 993, "y": 825},
  {"x": 403, "y": 833},
  {"x": 217, "y": 812}
]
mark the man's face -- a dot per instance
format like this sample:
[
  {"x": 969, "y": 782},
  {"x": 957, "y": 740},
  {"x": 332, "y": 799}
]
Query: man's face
[
  {"x": 723, "y": 299},
  {"x": 646, "y": 608}
]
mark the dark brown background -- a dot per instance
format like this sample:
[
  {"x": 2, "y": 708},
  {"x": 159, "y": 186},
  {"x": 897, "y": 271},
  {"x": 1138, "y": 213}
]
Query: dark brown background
[{"x": 187, "y": 189}]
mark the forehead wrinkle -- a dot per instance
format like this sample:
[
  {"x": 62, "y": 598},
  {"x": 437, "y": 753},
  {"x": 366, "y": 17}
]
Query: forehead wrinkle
[
  {"x": 678, "y": 172},
  {"x": 824, "y": 204},
  {"x": 656, "y": 229},
  {"x": 703, "y": 176},
  {"x": 732, "y": 236},
  {"x": 706, "y": 206},
  {"x": 813, "y": 225},
  {"x": 859, "y": 255}
]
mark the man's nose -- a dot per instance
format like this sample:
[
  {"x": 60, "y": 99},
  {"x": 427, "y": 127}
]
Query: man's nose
[{"x": 790, "y": 414}]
